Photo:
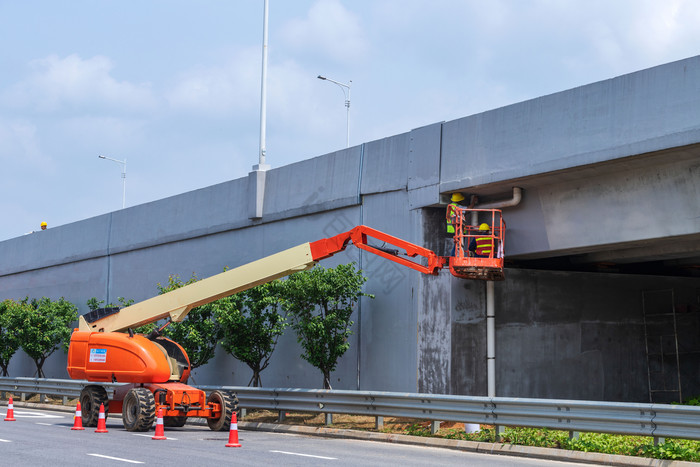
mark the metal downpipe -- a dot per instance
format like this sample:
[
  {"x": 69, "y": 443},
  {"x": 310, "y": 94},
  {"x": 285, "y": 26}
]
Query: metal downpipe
[
  {"x": 490, "y": 339},
  {"x": 490, "y": 298}
]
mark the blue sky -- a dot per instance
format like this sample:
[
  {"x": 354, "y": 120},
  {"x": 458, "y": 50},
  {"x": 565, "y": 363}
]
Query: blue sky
[{"x": 173, "y": 86}]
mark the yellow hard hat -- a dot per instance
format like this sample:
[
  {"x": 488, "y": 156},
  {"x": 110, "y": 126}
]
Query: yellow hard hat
[
  {"x": 456, "y": 197},
  {"x": 43, "y": 224},
  {"x": 484, "y": 226}
]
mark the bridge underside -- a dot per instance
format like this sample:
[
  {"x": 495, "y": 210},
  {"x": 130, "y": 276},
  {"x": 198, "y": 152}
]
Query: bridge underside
[{"x": 637, "y": 215}]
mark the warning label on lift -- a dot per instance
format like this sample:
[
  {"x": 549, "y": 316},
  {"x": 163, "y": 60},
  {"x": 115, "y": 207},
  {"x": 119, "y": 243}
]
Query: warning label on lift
[{"x": 98, "y": 355}]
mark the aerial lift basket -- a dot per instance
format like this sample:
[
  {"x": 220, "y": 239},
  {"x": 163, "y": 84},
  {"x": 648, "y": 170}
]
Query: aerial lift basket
[{"x": 466, "y": 264}]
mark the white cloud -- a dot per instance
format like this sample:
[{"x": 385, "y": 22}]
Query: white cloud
[
  {"x": 19, "y": 144},
  {"x": 233, "y": 86},
  {"x": 72, "y": 83},
  {"x": 329, "y": 29},
  {"x": 660, "y": 28}
]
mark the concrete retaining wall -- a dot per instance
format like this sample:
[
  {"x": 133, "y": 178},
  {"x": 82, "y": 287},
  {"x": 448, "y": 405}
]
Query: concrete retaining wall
[{"x": 627, "y": 150}]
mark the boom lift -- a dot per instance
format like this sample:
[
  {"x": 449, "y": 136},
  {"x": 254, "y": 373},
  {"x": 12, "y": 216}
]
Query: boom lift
[{"x": 104, "y": 347}]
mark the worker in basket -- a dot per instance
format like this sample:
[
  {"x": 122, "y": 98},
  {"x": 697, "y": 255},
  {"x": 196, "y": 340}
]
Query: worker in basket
[
  {"x": 482, "y": 245},
  {"x": 453, "y": 212}
]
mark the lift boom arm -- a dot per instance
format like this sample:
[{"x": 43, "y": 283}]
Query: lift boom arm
[{"x": 177, "y": 303}]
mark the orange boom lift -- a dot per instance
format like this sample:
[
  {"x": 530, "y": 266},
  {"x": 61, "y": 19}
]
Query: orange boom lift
[{"x": 155, "y": 369}]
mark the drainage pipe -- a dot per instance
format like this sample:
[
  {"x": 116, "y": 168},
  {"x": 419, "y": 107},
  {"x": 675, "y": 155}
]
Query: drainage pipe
[
  {"x": 490, "y": 339},
  {"x": 490, "y": 297}
]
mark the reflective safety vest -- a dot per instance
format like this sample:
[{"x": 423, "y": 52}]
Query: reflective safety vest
[
  {"x": 483, "y": 246},
  {"x": 451, "y": 217}
]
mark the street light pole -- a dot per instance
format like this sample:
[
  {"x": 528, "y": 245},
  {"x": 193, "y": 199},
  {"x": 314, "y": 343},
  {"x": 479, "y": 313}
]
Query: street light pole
[
  {"x": 123, "y": 163},
  {"x": 343, "y": 87},
  {"x": 263, "y": 94},
  {"x": 256, "y": 178}
]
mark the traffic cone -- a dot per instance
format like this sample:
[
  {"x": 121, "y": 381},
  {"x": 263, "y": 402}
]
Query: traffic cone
[
  {"x": 160, "y": 431},
  {"x": 78, "y": 419},
  {"x": 10, "y": 411},
  {"x": 101, "y": 422},
  {"x": 233, "y": 433}
]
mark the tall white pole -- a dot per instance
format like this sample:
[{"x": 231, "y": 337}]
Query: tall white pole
[
  {"x": 124, "y": 185},
  {"x": 347, "y": 105},
  {"x": 263, "y": 90}
]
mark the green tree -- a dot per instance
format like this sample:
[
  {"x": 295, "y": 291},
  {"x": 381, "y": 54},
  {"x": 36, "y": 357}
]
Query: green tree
[
  {"x": 9, "y": 341},
  {"x": 199, "y": 332},
  {"x": 43, "y": 327},
  {"x": 93, "y": 303},
  {"x": 251, "y": 326},
  {"x": 320, "y": 302}
]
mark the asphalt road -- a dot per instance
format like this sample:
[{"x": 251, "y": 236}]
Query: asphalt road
[{"x": 45, "y": 438}]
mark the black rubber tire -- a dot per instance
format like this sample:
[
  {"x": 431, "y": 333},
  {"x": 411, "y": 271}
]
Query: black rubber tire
[
  {"x": 175, "y": 422},
  {"x": 91, "y": 397},
  {"x": 229, "y": 402},
  {"x": 138, "y": 410}
]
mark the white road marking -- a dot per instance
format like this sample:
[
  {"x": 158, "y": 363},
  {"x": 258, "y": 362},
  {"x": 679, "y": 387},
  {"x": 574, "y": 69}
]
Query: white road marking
[
  {"x": 116, "y": 458},
  {"x": 5, "y": 441},
  {"x": 23, "y": 414},
  {"x": 306, "y": 455},
  {"x": 151, "y": 436},
  {"x": 45, "y": 424}
]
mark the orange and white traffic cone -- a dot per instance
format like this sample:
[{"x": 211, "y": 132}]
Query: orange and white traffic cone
[
  {"x": 233, "y": 433},
  {"x": 160, "y": 431},
  {"x": 102, "y": 421},
  {"x": 78, "y": 419},
  {"x": 10, "y": 411}
]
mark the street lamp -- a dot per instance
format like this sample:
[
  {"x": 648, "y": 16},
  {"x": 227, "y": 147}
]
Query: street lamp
[
  {"x": 343, "y": 86},
  {"x": 123, "y": 163}
]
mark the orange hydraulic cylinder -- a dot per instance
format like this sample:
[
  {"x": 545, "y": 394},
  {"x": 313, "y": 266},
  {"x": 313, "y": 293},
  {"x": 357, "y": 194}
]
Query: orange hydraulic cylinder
[{"x": 115, "y": 356}]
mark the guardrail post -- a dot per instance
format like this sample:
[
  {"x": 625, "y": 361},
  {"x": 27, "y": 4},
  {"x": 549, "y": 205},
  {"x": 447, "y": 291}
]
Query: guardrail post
[
  {"x": 434, "y": 427},
  {"x": 64, "y": 400},
  {"x": 574, "y": 434},
  {"x": 379, "y": 422},
  {"x": 244, "y": 412},
  {"x": 23, "y": 397},
  {"x": 329, "y": 419},
  {"x": 282, "y": 415},
  {"x": 42, "y": 398},
  {"x": 498, "y": 432},
  {"x": 659, "y": 440}
]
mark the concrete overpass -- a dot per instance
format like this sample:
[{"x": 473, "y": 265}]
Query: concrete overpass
[{"x": 601, "y": 297}]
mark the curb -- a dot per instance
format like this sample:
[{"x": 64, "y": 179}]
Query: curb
[
  {"x": 513, "y": 450},
  {"x": 470, "y": 446}
]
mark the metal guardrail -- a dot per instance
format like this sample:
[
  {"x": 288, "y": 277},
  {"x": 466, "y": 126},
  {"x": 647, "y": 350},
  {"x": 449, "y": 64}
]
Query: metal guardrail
[
  {"x": 65, "y": 388},
  {"x": 655, "y": 420}
]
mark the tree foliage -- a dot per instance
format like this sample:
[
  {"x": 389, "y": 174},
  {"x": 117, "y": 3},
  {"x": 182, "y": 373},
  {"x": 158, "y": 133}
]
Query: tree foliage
[
  {"x": 251, "y": 326},
  {"x": 93, "y": 303},
  {"x": 199, "y": 332},
  {"x": 9, "y": 340},
  {"x": 42, "y": 327},
  {"x": 320, "y": 302}
]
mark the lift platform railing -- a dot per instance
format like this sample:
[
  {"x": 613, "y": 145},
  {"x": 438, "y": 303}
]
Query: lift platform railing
[{"x": 468, "y": 264}]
